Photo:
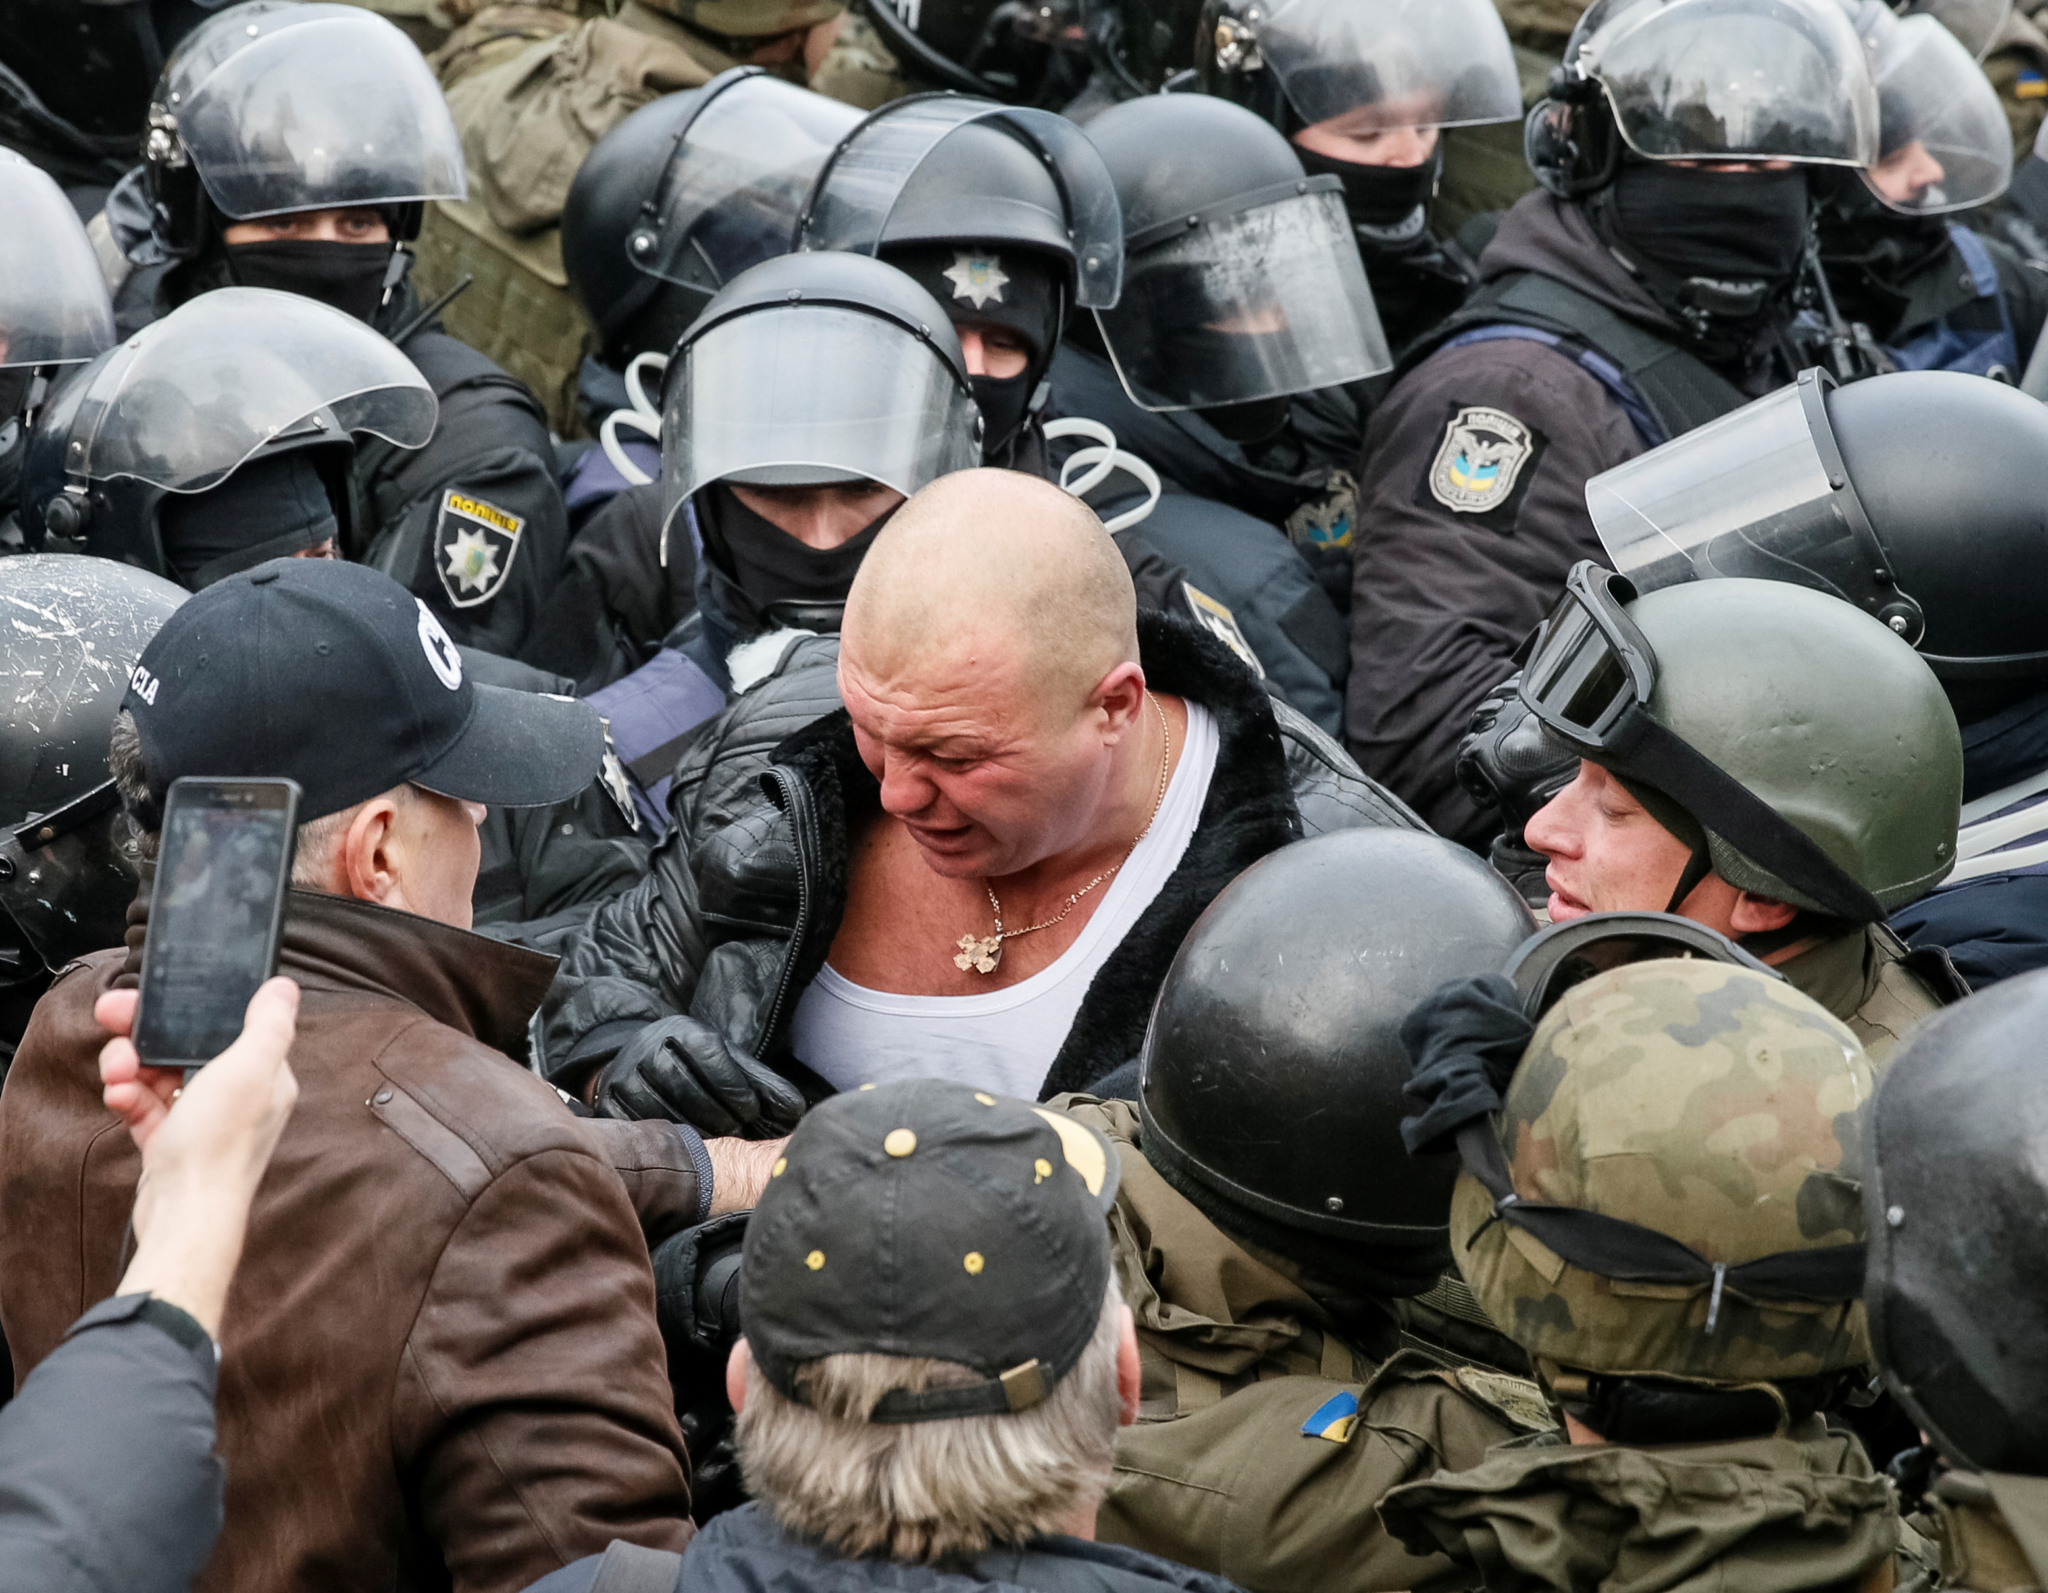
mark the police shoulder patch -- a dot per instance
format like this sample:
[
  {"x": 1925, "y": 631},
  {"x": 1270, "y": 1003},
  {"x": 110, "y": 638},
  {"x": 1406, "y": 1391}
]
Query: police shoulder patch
[
  {"x": 474, "y": 545},
  {"x": 1480, "y": 459},
  {"x": 1218, "y": 621}
]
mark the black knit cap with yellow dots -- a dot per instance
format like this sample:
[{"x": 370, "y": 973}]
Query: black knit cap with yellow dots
[{"x": 932, "y": 1219}]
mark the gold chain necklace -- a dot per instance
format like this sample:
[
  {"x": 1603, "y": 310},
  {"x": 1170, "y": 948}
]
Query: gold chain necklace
[{"x": 984, "y": 953}]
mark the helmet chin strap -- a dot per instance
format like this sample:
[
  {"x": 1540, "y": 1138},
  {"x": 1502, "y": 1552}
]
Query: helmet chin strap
[{"x": 1697, "y": 867}]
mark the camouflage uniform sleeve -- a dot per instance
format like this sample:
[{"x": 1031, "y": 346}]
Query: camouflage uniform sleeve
[{"x": 1275, "y": 1486}]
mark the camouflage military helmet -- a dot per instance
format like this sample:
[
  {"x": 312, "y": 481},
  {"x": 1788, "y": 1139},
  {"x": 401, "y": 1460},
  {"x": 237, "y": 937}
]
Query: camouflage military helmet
[{"x": 1688, "y": 1101}]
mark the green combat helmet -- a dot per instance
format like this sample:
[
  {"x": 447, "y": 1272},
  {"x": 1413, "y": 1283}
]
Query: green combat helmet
[
  {"x": 1806, "y": 752},
  {"x": 1676, "y": 1195}
]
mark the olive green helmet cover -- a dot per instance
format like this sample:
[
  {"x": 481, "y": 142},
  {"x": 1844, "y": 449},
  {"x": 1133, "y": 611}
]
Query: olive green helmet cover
[
  {"x": 1821, "y": 711},
  {"x": 1711, "y": 1103}
]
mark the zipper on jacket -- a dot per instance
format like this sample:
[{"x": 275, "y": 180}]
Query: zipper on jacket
[{"x": 796, "y": 802}]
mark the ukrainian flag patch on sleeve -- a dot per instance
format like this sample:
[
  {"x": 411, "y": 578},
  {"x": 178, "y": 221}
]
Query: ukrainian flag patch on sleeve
[{"x": 1333, "y": 1419}]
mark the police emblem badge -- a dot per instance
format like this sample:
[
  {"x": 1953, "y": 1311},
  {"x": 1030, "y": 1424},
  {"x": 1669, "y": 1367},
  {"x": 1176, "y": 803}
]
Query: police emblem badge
[
  {"x": 474, "y": 545},
  {"x": 977, "y": 278},
  {"x": 1481, "y": 459},
  {"x": 1218, "y": 621}
]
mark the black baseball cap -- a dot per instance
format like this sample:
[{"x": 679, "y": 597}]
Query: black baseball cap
[
  {"x": 337, "y": 677},
  {"x": 929, "y": 1219}
]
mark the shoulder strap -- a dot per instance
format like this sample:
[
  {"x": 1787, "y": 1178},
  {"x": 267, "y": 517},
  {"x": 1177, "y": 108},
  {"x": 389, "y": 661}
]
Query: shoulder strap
[
  {"x": 628, "y": 1568},
  {"x": 1664, "y": 389},
  {"x": 1931, "y": 965}
]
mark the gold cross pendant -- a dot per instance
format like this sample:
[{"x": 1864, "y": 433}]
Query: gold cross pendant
[{"x": 980, "y": 956}]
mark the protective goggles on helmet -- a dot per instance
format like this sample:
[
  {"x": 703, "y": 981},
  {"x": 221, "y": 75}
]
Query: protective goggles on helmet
[
  {"x": 1549, "y": 963},
  {"x": 1588, "y": 673}
]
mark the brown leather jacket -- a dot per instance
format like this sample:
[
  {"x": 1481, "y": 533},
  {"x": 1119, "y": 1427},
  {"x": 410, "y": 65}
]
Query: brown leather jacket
[{"x": 440, "y": 1366}]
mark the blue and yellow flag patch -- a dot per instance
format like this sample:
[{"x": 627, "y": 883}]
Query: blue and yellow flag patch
[{"x": 1333, "y": 1419}]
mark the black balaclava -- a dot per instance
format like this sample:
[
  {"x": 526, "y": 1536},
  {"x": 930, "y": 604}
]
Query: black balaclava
[
  {"x": 1731, "y": 240},
  {"x": 348, "y": 276},
  {"x": 767, "y": 563},
  {"x": 1019, "y": 289},
  {"x": 269, "y": 509},
  {"x": 1871, "y": 252},
  {"x": 1379, "y": 196}
]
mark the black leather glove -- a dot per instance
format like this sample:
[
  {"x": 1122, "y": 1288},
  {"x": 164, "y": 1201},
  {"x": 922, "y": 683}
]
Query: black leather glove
[
  {"x": 686, "y": 1072},
  {"x": 1509, "y": 762}
]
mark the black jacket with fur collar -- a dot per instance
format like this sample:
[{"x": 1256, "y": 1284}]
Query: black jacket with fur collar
[{"x": 745, "y": 895}]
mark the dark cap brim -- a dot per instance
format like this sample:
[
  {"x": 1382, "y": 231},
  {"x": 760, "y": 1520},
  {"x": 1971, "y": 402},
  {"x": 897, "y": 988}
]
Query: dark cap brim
[{"x": 520, "y": 750}]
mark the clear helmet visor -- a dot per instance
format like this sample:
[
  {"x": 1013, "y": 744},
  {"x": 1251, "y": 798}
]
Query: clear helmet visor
[
  {"x": 1727, "y": 80},
  {"x": 1945, "y": 141},
  {"x": 1762, "y": 492},
  {"x": 811, "y": 394},
  {"x": 1246, "y": 304},
  {"x": 53, "y": 302},
  {"x": 861, "y": 184},
  {"x": 187, "y": 399},
  {"x": 1975, "y": 23},
  {"x": 1373, "y": 66},
  {"x": 736, "y": 184},
  {"x": 313, "y": 107}
]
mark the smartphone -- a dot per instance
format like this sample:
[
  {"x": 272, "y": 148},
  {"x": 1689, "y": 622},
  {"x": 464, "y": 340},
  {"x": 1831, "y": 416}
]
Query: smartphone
[{"x": 215, "y": 914}]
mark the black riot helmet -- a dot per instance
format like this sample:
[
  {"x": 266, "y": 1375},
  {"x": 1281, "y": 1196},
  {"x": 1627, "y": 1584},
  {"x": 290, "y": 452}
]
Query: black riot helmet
[
  {"x": 1022, "y": 52},
  {"x": 75, "y": 628},
  {"x": 224, "y": 382},
  {"x": 270, "y": 108},
  {"x": 1361, "y": 65},
  {"x": 684, "y": 195},
  {"x": 813, "y": 369},
  {"x": 1273, "y": 1070},
  {"x": 1703, "y": 80},
  {"x": 1005, "y": 215},
  {"x": 1242, "y": 278},
  {"x": 54, "y": 309},
  {"x": 1920, "y": 496},
  {"x": 1956, "y": 1204}
]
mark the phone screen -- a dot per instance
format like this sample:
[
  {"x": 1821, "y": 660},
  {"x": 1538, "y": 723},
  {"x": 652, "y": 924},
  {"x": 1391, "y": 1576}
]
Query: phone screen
[{"x": 222, "y": 872}]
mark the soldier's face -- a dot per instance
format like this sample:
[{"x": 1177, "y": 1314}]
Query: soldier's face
[{"x": 1607, "y": 854}]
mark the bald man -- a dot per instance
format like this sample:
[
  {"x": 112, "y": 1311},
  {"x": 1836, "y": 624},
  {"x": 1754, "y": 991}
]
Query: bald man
[{"x": 977, "y": 864}]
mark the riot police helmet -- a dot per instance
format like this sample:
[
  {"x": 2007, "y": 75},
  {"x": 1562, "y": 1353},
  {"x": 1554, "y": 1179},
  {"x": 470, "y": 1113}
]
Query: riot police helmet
[
  {"x": 1006, "y": 216},
  {"x": 1976, "y": 24},
  {"x": 1799, "y": 746},
  {"x": 1272, "y": 1073},
  {"x": 684, "y": 195},
  {"x": 815, "y": 369},
  {"x": 1242, "y": 277},
  {"x": 1943, "y": 141},
  {"x": 54, "y": 309},
  {"x": 67, "y": 862},
  {"x": 234, "y": 381},
  {"x": 1710, "y": 81},
  {"x": 1955, "y": 1202},
  {"x": 270, "y": 108},
  {"x": 1364, "y": 66},
  {"x": 1917, "y": 496}
]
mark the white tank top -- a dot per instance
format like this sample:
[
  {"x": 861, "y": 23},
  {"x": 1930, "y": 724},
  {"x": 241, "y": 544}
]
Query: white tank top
[{"x": 1004, "y": 1041}]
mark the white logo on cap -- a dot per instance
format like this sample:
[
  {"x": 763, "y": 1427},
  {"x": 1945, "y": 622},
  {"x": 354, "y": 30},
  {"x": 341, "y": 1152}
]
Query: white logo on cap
[{"x": 440, "y": 651}]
